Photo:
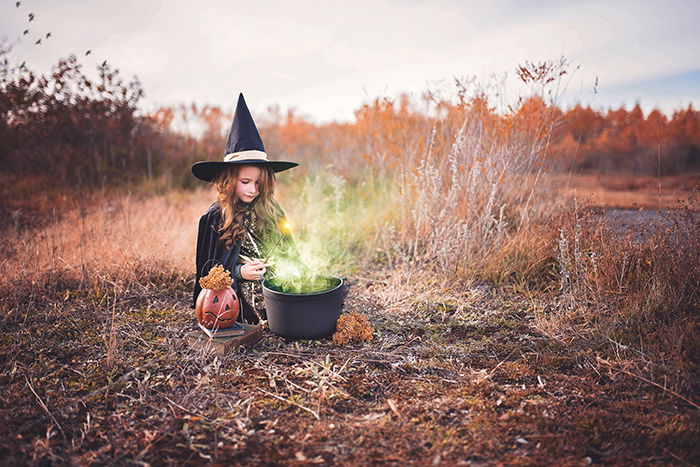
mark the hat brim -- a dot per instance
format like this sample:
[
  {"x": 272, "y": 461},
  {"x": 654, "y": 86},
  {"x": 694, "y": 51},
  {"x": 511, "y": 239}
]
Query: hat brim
[{"x": 208, "y": 170}]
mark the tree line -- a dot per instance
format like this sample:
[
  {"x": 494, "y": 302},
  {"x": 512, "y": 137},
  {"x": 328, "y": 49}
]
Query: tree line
[{"x": 73, "y": 130}]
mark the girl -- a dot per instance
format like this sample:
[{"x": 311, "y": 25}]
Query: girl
[{"x": 238, "y": 229}]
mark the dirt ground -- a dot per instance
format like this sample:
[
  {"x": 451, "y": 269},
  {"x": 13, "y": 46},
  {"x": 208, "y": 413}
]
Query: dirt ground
[{"x": 103, "y": 378}]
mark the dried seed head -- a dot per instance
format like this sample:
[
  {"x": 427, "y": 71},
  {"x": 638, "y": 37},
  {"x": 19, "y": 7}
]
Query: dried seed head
[
  {"x": 217, "y": 279},
  {"x": 352, "y": 327}
]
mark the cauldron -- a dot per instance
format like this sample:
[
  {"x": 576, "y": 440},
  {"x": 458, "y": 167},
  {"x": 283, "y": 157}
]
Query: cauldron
[{"x": 304, "y": 315}]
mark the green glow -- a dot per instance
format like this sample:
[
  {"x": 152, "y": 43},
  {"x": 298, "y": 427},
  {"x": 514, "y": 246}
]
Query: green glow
[
  {"x": 302, "y": 284},
  {"x": 332, "y": 223}
]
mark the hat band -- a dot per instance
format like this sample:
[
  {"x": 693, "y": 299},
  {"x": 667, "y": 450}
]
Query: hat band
[{"x": 245, "y": 155}]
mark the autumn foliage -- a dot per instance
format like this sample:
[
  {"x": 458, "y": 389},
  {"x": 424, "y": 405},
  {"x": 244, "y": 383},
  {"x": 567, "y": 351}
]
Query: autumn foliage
[
  {"x": 73, "y": 129},
  {"x": 388, "y": 134},
  {"x": 491, "y": 322},
  {"x": 69, "y": 127},
  {"x": 621, "y": 140}
]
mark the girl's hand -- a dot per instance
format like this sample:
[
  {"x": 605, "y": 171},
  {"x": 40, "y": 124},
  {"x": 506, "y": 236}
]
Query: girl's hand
[{"x": 253, "y": 270}]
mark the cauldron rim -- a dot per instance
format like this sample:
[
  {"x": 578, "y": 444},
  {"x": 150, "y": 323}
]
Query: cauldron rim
[{"x": 322, "y": 292}]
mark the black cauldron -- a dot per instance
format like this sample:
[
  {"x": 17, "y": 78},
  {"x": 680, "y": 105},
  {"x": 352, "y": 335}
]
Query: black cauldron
[{"x": 304, "y": 316}]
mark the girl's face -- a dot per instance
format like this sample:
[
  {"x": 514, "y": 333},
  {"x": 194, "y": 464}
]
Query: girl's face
[{"x": 247, "y": 183}]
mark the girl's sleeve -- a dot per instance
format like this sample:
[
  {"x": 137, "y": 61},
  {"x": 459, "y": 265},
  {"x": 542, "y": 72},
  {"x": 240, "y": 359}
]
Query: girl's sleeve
[{"x": 206, "y": 247}]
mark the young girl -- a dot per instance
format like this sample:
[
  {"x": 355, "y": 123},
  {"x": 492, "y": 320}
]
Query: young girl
[{"x": 239, "y": 228}]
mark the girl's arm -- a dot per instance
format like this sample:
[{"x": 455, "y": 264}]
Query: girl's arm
[
  {"x": 207, "y": 240},
  {"x": 201, "y": 257}
]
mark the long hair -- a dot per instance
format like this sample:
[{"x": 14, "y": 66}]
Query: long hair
[{"x": 234, "y": 210}]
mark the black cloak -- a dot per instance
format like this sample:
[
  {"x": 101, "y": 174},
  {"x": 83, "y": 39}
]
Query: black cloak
[{"x": 211, "y": 250}]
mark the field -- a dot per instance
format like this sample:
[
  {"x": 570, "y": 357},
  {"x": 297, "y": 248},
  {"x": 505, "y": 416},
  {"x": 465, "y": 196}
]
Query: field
[
  {"x": 531, "y": 274},
  {"x": 630, "y": 192},
  {"x": 515, "y": 359}
]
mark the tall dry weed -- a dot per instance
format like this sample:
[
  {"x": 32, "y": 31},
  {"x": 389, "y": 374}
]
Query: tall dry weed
[
  {"x": 120, "y": 239},
  {"x": 637, "y": 290},
  {"x": 468, "y": 194}
]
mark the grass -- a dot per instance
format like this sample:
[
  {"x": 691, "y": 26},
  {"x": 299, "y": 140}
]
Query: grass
[
  {"x": 495, "y": 367},
  {"x": 444, "y": 384},
  {"x": 511, "y": 325},
  {"x": 629, "y": 191},
  {"x": 636, "y": 287}
]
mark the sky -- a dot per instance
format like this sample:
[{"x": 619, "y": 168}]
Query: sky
[{"x": 324, "y": 59}]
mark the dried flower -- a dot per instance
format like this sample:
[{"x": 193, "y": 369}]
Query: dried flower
[
  {"x": 217, "y": 279},
  {"x": 352, "y": 327}
]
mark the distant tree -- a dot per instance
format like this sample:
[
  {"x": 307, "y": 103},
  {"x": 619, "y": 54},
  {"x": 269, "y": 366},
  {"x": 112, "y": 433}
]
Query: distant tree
[{"x": 68, "y": 127}]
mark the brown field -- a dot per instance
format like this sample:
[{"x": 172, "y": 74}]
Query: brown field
[
  {"x": 630, "y": 191},
  {"x": 500, "y": 365},
  {"x": 520, "y": 317}
]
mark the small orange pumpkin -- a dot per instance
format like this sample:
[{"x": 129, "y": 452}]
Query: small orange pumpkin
[{"x": 217, "y": 309}]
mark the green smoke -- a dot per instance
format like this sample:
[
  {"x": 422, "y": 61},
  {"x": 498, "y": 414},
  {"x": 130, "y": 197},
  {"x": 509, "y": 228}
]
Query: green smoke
[
  {"x": 333, "y": 223},
  {"x": 302, "y": 284}
]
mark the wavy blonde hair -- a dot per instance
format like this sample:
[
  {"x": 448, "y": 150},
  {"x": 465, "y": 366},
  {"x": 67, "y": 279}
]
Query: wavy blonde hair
[{"x": 233, "y": 210}]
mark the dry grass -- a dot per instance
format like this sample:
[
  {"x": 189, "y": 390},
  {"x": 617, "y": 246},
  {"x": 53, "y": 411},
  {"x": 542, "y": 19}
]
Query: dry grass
[
  {"x": 456, "y": 370},
  {"x": 438, "y": 383},
  {"x": 629, "y": 191},
  {"x": 636, "y": 287},
  {"x": 120, "y": 238},
  {"x": 508, "y": 328}
]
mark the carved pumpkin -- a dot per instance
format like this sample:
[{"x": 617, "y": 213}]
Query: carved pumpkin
[{"x": 217, "y": 309}]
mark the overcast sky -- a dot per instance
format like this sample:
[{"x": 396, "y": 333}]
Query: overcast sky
[{"x": 325, "y": 58}]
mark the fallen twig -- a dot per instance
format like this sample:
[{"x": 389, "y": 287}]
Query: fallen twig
[
  {"x": 394, "y": 408},
  {"x": 82, "y": 400},
  {"x": 499, "y": 364},
  {"x": 682, "y": 461},
  {"x": 651, "y": 382},
  {"x": 43, "y": 406},
  {"x": 312, "y": 412}
]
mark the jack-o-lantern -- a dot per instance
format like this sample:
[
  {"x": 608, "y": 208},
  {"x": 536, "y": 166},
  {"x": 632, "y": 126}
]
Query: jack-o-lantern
[{"x": 217, "y": 309}]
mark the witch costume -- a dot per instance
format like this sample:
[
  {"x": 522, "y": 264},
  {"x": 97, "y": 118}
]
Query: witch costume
[{"x": 244, "y": 146}]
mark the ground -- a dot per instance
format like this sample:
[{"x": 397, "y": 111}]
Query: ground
[{"x": 105, "y": 377}]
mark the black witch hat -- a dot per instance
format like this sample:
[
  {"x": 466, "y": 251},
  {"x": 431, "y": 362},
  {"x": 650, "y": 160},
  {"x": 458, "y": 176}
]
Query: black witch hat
[{"x": 243, "y": 146}]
